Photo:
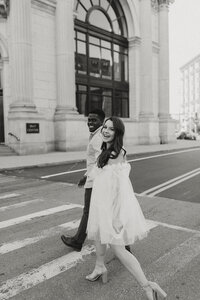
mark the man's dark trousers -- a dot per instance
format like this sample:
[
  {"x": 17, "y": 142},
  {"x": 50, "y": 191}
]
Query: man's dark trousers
[{"x": 80, "y": 235}]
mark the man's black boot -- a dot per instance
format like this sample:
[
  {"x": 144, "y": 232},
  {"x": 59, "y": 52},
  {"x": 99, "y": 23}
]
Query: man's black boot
[{"x": 70, "y": 242}]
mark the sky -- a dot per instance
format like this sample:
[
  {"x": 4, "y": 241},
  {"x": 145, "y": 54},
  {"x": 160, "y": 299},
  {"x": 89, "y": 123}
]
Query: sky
[{"x": 184, "y": 44}]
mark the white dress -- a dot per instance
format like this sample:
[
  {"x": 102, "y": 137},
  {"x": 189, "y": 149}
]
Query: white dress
[{"x": 115, "y": 216}]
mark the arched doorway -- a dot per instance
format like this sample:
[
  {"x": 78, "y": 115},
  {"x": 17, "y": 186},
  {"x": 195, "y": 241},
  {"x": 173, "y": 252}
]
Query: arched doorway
[
  {"x": 2, "y": 138},
  {"x": 101, "y": 52}
]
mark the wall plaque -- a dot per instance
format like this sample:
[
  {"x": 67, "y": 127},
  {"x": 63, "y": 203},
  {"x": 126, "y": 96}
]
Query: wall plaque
[{"x": 32, "y": 128}]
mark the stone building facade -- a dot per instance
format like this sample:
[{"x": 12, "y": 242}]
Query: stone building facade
[
  {"x": 61, "y": 58},
  {"x": 190, "y": 108}
]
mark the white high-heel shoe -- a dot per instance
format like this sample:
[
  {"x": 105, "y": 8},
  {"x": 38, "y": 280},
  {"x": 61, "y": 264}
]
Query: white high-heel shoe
[
  {"x": 153, "y": 290},
  {"x": 95, "y": 275}
]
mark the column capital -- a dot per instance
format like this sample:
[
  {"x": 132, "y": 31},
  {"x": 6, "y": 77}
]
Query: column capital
[
  {"x": 4, "y": 8},
  {"x": 134, "y": 41}
]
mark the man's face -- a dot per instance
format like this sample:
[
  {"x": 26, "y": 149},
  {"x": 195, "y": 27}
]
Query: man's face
[{"x": 94, "y": 122}]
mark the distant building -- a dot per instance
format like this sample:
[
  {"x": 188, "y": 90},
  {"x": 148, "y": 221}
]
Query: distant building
[
  {"x": 62, "y": 58},
  {"x": 190, "y": 111}
]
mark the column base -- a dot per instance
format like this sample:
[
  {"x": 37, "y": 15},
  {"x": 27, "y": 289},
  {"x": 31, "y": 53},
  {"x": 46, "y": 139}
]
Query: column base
[
  {"x": 71, "y": 132},
  {"x": 148, "y": 130},
  {"x": 167, "y": 128},
  {"x": 26, "y": 130}
]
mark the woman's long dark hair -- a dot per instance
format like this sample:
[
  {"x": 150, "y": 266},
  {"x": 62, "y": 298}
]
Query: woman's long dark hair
[{"x": 117, "y": 143}]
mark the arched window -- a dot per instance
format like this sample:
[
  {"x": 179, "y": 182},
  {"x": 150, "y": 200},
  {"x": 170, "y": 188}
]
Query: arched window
[{"x": 101, "y": 57}]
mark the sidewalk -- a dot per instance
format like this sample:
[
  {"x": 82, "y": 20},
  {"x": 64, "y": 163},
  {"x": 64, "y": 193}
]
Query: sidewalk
[{"x": 16, "y": 161}]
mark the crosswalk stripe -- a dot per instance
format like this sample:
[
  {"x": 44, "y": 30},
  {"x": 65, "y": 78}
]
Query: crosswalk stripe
[
  {"x": 8, "y": 247},
  {"x": 42, "y": 213},
  {"x": 16, "y": 285},
  {"x": 9, "y": 196},
  {"x": 176, "y": 259},
  {"x": 21, "y": 204}
]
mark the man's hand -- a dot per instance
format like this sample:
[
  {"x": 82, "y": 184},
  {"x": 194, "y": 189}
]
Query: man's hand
[{"x": 82, "y": 181}]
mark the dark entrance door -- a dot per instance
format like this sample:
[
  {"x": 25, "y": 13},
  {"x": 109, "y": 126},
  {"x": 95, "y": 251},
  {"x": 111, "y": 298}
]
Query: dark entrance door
[{"x": 1, "y": 118}]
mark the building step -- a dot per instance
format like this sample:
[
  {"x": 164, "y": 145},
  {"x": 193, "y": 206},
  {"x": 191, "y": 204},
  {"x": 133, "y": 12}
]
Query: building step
[{"x": 6, "y": 151}]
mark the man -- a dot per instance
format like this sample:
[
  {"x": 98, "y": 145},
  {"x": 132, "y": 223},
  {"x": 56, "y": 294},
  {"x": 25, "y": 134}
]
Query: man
[{"x": 95, "y": 121}]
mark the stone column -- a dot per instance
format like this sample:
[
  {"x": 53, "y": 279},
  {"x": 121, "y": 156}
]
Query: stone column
[
  {"x": 65, "y": 57},
  {"x": 164, "y": 117},
  {"x": 22, "y": 113},
  {"x": 148, "y": 125},
  {"x": 21, "y": 55},
  {"x": 146, "y": 109},
  {"x": 134, "y": 76},
  {"x": 70, "y": 128}
]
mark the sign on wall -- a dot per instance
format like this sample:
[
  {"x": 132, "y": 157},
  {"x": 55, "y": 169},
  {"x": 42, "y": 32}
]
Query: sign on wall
[{"x": 32, "y": 128}]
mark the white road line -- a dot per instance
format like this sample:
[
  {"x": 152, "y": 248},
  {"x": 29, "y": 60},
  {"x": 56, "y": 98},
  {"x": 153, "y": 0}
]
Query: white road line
[
  {"x": 8, "y": 247},
  {"x": 165, "y": 267},
  {"x": 21, "y": 204},
  {"x": 131, "y": 160},
  {"x": 9, "y": 196},
  {"x": 170, "y": 263},
  {"x": 175, "y": 227},
  {"x": 169, "y": 181},
  {"x": 62, "y": 173},
  {"x": 42, "y": 213},
  {"x": 16, "y": 285},
  {"x": 164, "y": 154},
  {"x": 173, "y": 184}
]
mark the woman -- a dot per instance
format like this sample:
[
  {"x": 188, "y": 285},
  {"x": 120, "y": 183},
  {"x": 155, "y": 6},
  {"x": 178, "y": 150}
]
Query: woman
[{"x": 115, "y": 217}]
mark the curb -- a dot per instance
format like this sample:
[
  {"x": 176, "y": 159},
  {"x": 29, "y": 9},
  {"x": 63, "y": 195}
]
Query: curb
[{"x": 67, "y": 162}]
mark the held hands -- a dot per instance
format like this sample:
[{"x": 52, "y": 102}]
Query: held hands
[{"x": 82, "y": 181}]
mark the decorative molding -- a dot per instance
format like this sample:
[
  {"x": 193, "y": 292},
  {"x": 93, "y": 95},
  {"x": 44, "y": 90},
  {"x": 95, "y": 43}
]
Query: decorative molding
[
  {"x": 4, "y": 8},
  {"x": 154, "y": 4},
  {"x": 155, "y": 47},
  {"x": 134, "y": 41},
  {"x": 45, "y": 5}
]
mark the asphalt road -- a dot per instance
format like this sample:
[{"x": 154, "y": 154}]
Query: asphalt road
[
  {"x": 34, "y": 212},
  {"x": 174, "y": 175}
]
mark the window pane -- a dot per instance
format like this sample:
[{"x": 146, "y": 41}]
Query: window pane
[
  {"x": 117, "y": 67},
  {"x": 86, "y": 4},
  {"x": 124, "y": 67},
  {"x": 82, "y": 87},
  {"x": 106, "y": 64},
  {"x": 125, "y": 112},
  {"x": 81, "y": 103},
  {"x": 94, "y": 40},
  {"x": 95, "y": 2},
  {"x": 95, "y": 98},
  {"x": 81, "y": 59},
  {"x": 81, "y": 47},
  {"x": 107, "y": 102},
  {"x": 81, "y": 36},
  {"x": 105, "y": 44},
  {"x": 116, "y": 47},
  {"x": 94, "y": 61},
  {"x": 116, "y": 28},
  {"x": 104, "y": 4},
  {"x": 81, "y": 63},
  {"x": 98, "y": 19},
  {"x": 81, "y": 13}
]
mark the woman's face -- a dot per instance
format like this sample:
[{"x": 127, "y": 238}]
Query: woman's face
[{"x": 108, "y": 132}]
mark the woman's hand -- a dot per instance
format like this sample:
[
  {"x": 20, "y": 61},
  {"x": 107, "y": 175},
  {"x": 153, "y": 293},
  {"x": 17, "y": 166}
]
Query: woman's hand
[{"x": 82, "y": 181}]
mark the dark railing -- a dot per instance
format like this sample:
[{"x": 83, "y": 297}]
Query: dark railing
[{"x": 12, "y": 134}]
